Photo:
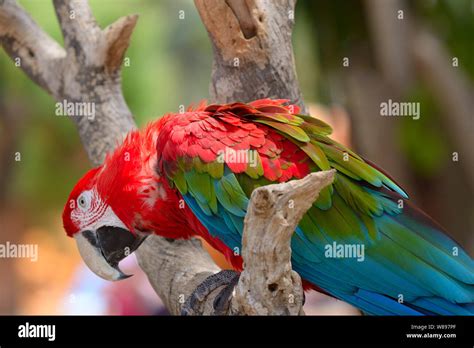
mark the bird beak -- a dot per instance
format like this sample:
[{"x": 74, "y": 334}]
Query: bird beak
[{"x": 102, "y": 250}]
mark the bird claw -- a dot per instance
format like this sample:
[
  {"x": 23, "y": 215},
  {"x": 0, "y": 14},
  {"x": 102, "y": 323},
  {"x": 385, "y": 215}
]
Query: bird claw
[{"x": 227, "y": 279}]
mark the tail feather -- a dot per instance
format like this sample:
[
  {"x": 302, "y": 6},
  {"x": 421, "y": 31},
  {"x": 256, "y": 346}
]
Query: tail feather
[{"x": 440, "y": 306}]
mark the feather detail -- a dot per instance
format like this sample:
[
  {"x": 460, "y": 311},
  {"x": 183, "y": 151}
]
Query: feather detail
[{"x": 404, "y": 252}]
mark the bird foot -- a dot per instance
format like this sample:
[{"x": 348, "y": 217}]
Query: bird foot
[{"x": 227, "y": 279}]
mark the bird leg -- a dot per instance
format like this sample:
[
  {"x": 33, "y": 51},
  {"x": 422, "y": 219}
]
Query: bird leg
[{"x": 227, "y": 279}]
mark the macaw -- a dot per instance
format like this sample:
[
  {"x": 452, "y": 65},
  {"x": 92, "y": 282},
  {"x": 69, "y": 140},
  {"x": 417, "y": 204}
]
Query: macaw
[{"x": 181, "y": 177}]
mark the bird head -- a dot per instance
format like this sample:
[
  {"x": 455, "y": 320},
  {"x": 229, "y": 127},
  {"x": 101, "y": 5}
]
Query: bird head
[{"x": 98, "y": 215}]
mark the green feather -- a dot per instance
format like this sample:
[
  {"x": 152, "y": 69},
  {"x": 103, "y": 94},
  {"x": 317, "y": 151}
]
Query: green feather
[
  {"x": 369, "y": 223},
  {"x": 215, "y": 169},
  {"x": 357, "y": 197},
  {"x": 324, "y": 200},
  {"x": 287, "y": 129},
  {"x": 314, "y": 125},
  {"x": 230, "y": 195},
  {"x": 271, "y": 117},
  {"x": 180, "y": 182},
  {"x": 201, "y": 188},
  {"x": 387, "y": 203},
  {"x": 339, "y": 222},
  {"x": 344, "y": 171},
  {"x": 316, "y": 154},
  {"x": 328, "y": 141},
  {"x": 353, "y": 165},
  {"x": 282, "y": 118},
  {"x": 249, "y": 184},
  {"x": 198, "y": 165},
  {"x": 255, "y": 171}
]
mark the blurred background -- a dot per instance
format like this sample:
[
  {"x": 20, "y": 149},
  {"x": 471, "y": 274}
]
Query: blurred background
[{"x": 350, "y": 57}]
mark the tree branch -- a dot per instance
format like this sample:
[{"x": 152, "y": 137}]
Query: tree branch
[
  {"x": 253, "y": 54},
  {"x": 78, "y": 76},
  {"x": 268, "y": 285},
  {"x": 88, "y": 70},
  {"x": 29, "y": 46}
]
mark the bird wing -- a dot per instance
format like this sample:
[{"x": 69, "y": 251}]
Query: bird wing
[{"x": 408, "y": 265}]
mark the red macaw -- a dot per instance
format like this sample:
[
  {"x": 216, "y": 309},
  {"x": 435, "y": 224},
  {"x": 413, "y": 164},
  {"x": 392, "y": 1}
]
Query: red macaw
[{"x": 182, "y": 176}]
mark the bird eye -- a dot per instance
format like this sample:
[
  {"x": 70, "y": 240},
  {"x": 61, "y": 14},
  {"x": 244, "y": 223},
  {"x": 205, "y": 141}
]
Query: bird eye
[{"x": 82, "y": 202}]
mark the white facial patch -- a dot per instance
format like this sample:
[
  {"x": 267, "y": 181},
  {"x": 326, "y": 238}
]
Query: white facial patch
[
  {"x": 92, "y": 212},
  {"x": 109, "y": 218}
]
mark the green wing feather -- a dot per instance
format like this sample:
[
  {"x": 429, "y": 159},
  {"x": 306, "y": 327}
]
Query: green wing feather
[
  {"x": 311, "y": 136},
  {"x": 359, "y": 207}
]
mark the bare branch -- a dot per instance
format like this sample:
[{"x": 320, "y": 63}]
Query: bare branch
[
  {"x": 117, "y": 37},
  {"x": 38, "y": 55},
  {"x": 79, "y": 27},
  {"x": 243, "y": 15},
  {"x": 268, "y": 286},
  {"x": 175, "y": 269},
  {"x": 253, "y": 54},
  {"x": 82, "y": 75}
]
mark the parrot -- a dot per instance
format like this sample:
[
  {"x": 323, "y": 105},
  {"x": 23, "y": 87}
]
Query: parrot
[{"x": 181, "y": 177}]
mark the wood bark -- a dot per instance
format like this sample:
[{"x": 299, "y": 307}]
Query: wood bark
[
  {"x": 87, "y": 69},
  {"x": 253, "y": 54},
  {"x": 268, "y": 285}
]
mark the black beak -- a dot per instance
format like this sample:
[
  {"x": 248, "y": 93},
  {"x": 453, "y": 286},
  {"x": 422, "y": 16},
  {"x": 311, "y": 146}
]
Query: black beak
[
  {"x": 104, "y": 249},
  {"x": 117, "y": 243}
]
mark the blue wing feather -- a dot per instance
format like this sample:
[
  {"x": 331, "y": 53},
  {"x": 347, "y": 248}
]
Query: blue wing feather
[{"x": 430, "y": 281}]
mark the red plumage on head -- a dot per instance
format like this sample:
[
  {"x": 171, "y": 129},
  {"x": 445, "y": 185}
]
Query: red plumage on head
[{"x": 85, "y": 183}]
